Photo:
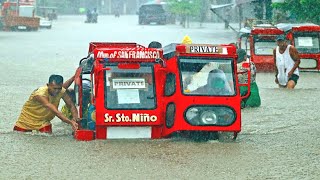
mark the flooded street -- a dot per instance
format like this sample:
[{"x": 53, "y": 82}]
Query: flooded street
[{"x": 279, "y": 140}]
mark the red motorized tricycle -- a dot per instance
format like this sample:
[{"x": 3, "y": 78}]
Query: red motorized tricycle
[
  {"x": 260, "y": 42},
  {"x": 139, "y": 92}
]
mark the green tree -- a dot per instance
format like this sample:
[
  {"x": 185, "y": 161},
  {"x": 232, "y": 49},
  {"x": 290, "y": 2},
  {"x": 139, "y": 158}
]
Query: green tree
[
  {"x": 260, "y": 12},
  {"x": 185, "y": 9},
  {"x": 301, "y": 10}
]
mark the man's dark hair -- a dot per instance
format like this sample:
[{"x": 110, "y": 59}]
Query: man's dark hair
[
  {"x": 155, "y": 44},
  {"x": 56, "y": 78},
  {"x": 241, "y": 54}
]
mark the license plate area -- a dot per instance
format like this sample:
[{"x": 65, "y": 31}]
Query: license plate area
[{"x": 116, "y": 132}]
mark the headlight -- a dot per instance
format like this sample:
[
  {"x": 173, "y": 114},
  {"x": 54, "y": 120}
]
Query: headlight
[
  {"x": 192, "y": 113},
  {"x": 210, "y": 115}
]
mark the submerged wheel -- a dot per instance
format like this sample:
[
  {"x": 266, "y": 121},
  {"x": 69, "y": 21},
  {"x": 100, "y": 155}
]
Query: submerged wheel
[
  {"x": 224, "y": 136},
  {"x": 203, "y": 136}
]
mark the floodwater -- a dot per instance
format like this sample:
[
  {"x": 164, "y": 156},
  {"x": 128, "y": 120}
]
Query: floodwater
[{"x": 279, "y": 140}]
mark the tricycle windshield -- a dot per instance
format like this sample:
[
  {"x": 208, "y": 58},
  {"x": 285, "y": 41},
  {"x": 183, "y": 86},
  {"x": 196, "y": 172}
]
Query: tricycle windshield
[
  {"x": 307, "y": 42},
  {"x": 264, "y": 45},
  {"x": 207, "y": 77},
  {"x": 129, "y": 88}
]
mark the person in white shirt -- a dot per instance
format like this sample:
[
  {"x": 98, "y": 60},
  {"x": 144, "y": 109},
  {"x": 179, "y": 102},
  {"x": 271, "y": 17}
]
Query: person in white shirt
[{"x": 286, "y": 61}]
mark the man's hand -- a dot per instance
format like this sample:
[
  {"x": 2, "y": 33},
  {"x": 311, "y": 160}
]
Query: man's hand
[
  {"x": 76, "y": 119},
  {"x": 74, "y": 125}
]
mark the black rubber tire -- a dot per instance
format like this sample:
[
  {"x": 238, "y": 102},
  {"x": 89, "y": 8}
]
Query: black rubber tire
[{"x": 200, "y": 136}]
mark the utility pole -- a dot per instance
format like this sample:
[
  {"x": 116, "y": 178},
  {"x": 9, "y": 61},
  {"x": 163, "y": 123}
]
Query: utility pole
[
  {"x": 264, "y": 9},
  {"x": 17, "y": 8},
  {"x": 240, "y": 16}
]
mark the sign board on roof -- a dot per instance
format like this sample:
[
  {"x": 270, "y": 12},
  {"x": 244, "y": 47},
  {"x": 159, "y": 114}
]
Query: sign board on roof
[
  {"x": 129, "y": 54},
  {"x": 128, "y": 83},
  {"x": 206, "y": 49}
]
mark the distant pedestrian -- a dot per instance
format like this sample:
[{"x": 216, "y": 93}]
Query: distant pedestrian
[
  {"x": 94, "y": 15},
  {"x": 286, "y": 61},
  {"x": 89, "y": 16}
]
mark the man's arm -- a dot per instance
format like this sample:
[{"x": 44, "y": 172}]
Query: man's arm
[
  {"x": 295, "y": 56},
  {"x": 45, "y": 102},
  {"x": 275, "y": 62},
  {"x": 68, "y": 82},
  {"x": 66, "y": 98},
  {"x": 275, "y": 66}
]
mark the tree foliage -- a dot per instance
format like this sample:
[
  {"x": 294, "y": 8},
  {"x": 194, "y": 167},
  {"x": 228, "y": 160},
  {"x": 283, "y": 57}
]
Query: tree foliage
[
  {"x": 258, "y": 9},
  {"x": 185, "y": 7},
  {"x": 301, "y": 10}
]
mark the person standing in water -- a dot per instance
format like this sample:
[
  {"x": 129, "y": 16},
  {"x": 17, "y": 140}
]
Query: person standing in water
[{"x": 286, "y": 61}]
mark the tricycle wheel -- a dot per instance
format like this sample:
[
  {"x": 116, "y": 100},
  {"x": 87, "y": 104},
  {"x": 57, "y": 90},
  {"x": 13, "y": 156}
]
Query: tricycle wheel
[
  {"x": 203, "y": 136},
  {"x": 224, "y": 136}
]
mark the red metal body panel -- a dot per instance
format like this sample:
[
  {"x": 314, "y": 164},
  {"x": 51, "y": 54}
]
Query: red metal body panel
[
  {"x": 306, "y": 28},
  {"x": 94, "y": 45},
  {"x": 119, "y": 115},
  {"x": 84, "y": 135},
  {"x": 266, "y": 31}
]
